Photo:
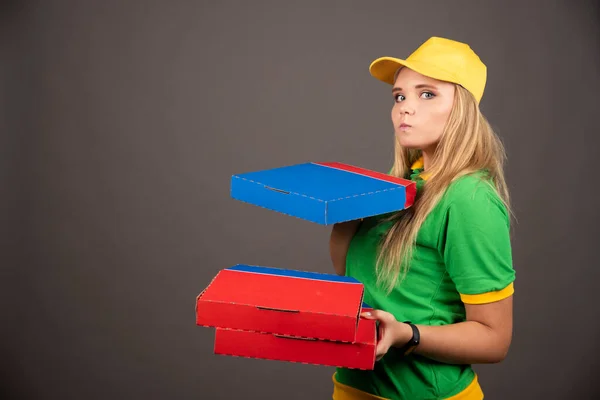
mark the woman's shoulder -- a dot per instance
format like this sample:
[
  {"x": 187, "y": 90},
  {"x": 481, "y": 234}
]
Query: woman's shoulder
[{"x": 473, "y": 190}]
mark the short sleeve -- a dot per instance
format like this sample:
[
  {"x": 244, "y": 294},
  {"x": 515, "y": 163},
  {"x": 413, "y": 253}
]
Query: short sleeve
[{"x": 477, "y": 249}]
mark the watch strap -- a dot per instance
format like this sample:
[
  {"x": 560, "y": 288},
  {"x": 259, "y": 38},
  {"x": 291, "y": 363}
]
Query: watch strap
[{"x": 414, "y": 340}]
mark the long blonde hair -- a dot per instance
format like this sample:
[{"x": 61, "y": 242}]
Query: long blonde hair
[{"x": 468, "y": 144}]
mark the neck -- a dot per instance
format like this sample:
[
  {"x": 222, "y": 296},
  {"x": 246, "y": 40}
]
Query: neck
[
  {"x": 426, "y": 158},
  {"x": 428, "y": 155}
]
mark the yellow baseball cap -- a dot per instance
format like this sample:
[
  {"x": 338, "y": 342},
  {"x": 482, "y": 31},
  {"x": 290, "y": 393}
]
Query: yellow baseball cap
[{"x": 438, "y": 58}]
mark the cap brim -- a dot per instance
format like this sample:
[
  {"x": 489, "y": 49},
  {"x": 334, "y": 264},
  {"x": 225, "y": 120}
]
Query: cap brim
[{"x": 384, "y": 69}]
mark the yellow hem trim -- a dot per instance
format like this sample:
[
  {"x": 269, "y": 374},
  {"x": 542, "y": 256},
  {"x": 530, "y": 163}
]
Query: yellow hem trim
[
  {"x": 345, "y": 392},
  {"x": 471, "y": 392},
  {"x": 488, "y": 297}
]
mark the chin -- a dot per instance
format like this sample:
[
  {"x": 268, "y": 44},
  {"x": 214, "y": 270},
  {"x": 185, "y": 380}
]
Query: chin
[{"x": 409, "y": 144}]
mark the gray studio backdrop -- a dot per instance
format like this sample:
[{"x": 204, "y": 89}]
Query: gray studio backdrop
[{"x": 122, "y": 123}]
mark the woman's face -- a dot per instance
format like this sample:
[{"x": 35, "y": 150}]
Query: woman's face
[{"x": 421, "y": 109}]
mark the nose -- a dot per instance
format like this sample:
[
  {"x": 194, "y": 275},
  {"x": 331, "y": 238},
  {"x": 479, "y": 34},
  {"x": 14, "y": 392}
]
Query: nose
[{"x": 406, "y": 108}]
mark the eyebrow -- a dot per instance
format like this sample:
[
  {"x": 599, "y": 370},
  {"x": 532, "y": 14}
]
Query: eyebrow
[{"x": 421, "y": 86}]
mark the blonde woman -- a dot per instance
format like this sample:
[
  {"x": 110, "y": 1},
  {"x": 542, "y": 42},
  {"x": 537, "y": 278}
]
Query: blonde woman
[{"x": 438, "y": 275}]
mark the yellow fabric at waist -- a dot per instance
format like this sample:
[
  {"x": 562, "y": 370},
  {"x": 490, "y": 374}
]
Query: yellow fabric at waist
[{"x": 345, "y": 392}]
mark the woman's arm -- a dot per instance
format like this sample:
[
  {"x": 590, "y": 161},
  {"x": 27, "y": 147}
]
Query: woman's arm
[
  {"x": 484, "y": 337},
  {"x": 339, "y": 241}
]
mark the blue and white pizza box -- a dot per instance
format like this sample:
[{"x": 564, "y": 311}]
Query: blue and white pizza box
[{"x": 324, "y": 192}]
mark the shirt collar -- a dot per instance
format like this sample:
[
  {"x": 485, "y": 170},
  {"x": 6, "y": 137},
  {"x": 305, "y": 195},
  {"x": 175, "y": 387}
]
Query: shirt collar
[{"x": 417, "y": 170}]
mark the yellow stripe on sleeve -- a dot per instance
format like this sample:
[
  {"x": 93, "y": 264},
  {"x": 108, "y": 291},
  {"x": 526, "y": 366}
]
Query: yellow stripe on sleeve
[{"x": 488, "y": 297}]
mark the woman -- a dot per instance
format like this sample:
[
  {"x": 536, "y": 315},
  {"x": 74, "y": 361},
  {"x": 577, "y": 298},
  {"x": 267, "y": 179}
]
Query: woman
[{"x": 439, "y": 275}]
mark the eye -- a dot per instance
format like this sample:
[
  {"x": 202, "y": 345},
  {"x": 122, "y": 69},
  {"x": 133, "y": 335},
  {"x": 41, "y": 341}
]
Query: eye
[
  {"x": 427, "y": 95},
  {"x": 398, "y": 98}
]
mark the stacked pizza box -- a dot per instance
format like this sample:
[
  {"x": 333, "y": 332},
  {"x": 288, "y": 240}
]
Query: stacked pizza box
[{"x": 300, "y": 316}]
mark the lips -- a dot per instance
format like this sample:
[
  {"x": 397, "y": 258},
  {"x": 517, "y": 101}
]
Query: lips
[{"x": 405, "y": 126}]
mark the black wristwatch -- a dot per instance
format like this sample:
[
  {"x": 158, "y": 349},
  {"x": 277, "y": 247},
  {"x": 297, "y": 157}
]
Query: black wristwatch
[{"x": 413, "y": 342}]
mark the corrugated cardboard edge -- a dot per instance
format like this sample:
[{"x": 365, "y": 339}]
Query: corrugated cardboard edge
[
  {"x": 296, "y": 362},
  {"x": 362, "y": 295},
  {"x": 410, "y": 195},
  {"x": 202, "y": 293}
]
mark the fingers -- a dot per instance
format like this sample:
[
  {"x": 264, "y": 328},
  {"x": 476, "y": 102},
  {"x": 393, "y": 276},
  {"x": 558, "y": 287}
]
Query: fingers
[
  {"x": 367, "y": 314},
  {"x": 384, "y": 341},
  {"x": 373, "y": 314},
  {"x": 382, "y": 348},
  {"x": 378, "y": 315}
]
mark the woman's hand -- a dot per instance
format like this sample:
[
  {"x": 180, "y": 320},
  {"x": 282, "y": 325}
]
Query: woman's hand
[{"x": 391, "y": 332}]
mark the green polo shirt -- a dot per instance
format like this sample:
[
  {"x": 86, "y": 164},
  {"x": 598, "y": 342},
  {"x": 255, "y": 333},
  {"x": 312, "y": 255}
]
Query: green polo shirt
[{"x": 462, "y": 255}]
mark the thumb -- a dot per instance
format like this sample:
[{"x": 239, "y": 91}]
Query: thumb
[
  {"x": 371, "y": 314},
  {"x": 367, "y": 314}
]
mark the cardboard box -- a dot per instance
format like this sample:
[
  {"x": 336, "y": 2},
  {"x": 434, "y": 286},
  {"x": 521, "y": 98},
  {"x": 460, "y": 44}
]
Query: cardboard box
[
  {"x": 324, "y": 193},
  {"x": 285, "y": 302},
  {"x": 360, "y": 355}
]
